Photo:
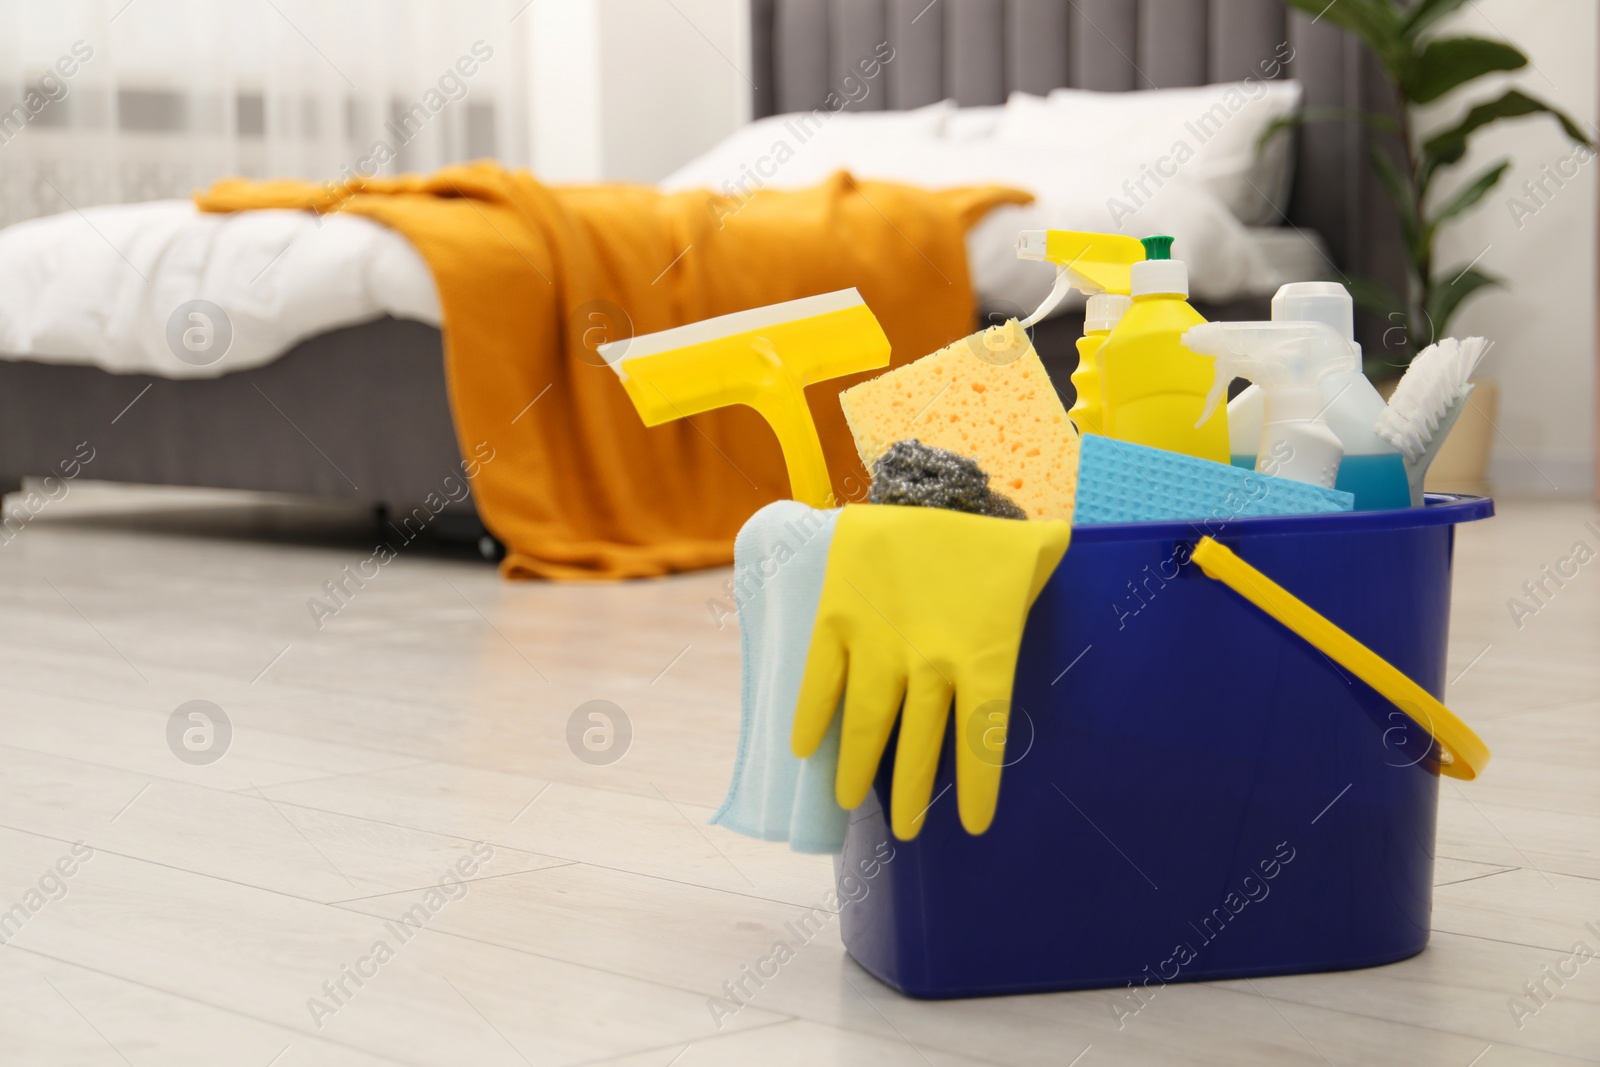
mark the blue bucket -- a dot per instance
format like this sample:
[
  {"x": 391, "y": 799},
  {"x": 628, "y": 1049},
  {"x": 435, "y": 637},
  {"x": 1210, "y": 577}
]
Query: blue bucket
[{"x": 1191, "y": 791}]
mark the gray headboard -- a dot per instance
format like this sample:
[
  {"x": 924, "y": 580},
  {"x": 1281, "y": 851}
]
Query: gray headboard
[{"x": 978, "y": 51}]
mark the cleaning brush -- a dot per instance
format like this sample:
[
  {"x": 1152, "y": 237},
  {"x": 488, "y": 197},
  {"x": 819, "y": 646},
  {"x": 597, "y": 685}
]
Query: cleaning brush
[{"x": 1427, "y": 402}]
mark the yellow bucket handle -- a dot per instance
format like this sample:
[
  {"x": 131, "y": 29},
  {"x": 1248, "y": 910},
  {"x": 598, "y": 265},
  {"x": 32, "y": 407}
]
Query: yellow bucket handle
[{"x": 1462, "y": 752}]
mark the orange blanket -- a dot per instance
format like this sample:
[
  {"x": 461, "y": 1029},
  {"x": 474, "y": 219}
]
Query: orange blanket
[{"x": 578, "y": 488}]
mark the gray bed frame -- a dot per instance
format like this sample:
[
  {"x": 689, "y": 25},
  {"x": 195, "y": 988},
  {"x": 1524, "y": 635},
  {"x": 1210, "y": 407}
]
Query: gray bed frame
[
  {"x": 359, "y": 413},
  {"x": 362, "y": 413}
]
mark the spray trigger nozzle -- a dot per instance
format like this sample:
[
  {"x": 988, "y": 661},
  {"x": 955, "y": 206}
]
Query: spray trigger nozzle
[
  {"x": 1058, "y": 293},
  {"x": 1219, "y": 386},
  {"x": 1092, "y": 263},
  {"x": 1286, "y": 358}
]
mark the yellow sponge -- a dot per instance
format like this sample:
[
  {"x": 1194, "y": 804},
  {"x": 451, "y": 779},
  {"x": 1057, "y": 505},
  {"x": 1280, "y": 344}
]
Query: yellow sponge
[{"x": 986, "y": 397}]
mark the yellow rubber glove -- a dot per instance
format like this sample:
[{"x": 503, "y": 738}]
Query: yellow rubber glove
[{"x": 921, "y": 604}]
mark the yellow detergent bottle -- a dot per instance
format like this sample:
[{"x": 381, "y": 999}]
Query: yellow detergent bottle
[
  {"x": 1097, "y": 265},
  {"x": 1155, "y": 388},
  {"x": 1101, "y": 315}
]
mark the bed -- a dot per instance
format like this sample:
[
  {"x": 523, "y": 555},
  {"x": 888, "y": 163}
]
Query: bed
[{"x": 354, "y": 404}]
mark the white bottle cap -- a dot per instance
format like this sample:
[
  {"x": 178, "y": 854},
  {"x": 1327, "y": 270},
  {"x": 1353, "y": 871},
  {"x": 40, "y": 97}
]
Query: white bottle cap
[
  {"x": 1103, "y": 311},
  {"x": 1160, "y": 276},
  {"x": 1327, "y": 302}
]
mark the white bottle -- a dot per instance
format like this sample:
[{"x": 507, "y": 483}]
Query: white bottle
[
  {"x": 1289, "y": 361},
  {"x": 1372, "y": 469}
]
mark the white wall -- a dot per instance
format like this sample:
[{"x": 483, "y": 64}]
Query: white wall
[
  {"x": 675, "y": 80},
  {"x": 564, "y": 43},
  {"x": 1543, "y": 323},
  {"x": 628, "y": 90}
]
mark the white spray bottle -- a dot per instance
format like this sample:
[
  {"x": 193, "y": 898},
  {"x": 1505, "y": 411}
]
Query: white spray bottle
[
  {"x": 1372, "y": 470},
  {"x": 1289, "y": 361}
]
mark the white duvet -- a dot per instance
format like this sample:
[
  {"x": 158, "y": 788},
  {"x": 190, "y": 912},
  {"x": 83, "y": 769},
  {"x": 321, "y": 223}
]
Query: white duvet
[
  {"x": 100, "y": 286},
  {"x": 108, "y": 286}
]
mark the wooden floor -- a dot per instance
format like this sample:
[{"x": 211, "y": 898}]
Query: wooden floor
[{"x": 225, "y": 905}]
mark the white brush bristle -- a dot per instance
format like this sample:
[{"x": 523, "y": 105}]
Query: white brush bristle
[{"x": 1436, "y": 379}]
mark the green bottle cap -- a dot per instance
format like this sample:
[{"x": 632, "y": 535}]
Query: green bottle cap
[{"x": 1157, "y": 246}]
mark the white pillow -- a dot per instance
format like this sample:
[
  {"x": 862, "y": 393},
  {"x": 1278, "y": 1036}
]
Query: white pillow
[
  {"x": 797, "y": 149},
  {"x": 1206, "y": 134},
  {"x": 972, "y": 123}
]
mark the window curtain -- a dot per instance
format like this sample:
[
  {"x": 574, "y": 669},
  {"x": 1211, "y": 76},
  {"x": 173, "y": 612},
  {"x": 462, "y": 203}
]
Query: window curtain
[{"x": 112, "y": 101}]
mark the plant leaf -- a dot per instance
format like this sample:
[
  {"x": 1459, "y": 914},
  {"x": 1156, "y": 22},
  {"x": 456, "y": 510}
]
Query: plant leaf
[
  {"x": 1399, "y": 189},
  {"x": 1305, "y": 116},
  {"x": 1374, "y": 297},
  {"x": 1450, "y": 289},
  {"x": 1376, "y": 22},
  {"x": 1425, "y": 13},
  {"x": 1448, "y": 146},
  {"x": 1467, "y": 195},
  {"x": 1449, "y": 62},
  {"x": 1393, "y": 350}
]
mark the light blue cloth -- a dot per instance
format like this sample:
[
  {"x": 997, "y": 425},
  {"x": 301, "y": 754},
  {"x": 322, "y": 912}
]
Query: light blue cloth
[
  {"x": 1119, "y": 481},
  {"x": 779, "y": 560}
]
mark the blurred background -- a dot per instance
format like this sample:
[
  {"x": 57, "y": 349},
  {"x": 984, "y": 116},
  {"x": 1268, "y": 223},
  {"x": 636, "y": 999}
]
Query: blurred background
[{"x": 181, "y": 92}]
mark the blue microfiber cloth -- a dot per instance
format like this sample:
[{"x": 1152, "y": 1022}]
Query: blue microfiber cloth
[
  {"x": 1123, "y": 482},
  {"x": 779, "y": 560}
]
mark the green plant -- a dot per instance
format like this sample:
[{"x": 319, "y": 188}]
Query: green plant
[{"x": 1422, "y": 68}]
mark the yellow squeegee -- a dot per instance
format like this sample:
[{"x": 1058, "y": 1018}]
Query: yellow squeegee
[{"x": 764, "y": 358}]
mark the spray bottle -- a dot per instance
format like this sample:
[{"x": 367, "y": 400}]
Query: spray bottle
[
  {"x": 1097, "y": 265},
  {"x": 1154, "y": 388},
  {"x": 1372, "y": 470},
  {"x": 1289, "y": 361}
]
